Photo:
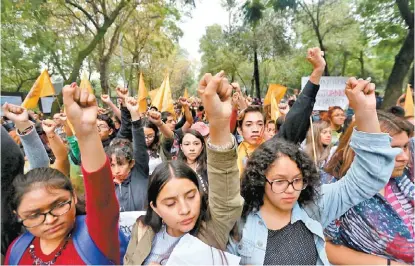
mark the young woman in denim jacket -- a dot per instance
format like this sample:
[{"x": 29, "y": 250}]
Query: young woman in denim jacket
[{"x": 285, "y": 207}]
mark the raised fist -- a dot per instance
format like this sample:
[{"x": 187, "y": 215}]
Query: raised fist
[
  {"x": 81, "y": 109},
  {"x": 49, "y": 127},
  {"x": 361, "y": 94},
  {"x": 183, "y": 101},
  {"x": 215, "y": 92},
  {"x": 155, "y": 118},
  {"x": 18, "y": 115},
  {"x": 122, "y": 92},
  {"x": 105, "y": 98},
  {"x": 316, "y": 57},
  {"x": 131, "y": 104}
]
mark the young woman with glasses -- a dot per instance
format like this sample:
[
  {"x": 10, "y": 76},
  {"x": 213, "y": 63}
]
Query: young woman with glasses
[
  {"x": 336, "y": 118},
  {"x": 151, "y": 135},
  {"x": 45, "y": 202},
  {"x": 285, "y": 207}
]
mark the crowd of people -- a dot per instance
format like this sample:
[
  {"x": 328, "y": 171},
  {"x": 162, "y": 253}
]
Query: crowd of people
[{"x": 333, "y": 187}]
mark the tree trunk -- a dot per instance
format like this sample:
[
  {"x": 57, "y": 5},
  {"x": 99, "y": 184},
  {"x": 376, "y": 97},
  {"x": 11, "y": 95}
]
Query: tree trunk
[
  {"x": 91, "y": 46},
  {"x": 103, "y": 69},
  {"x": 403, "y": 61},
  {"x": 252, "y": 86},
  {"x": 345, "y": 57},
  {"x": 322, "y": 48},
  {"x": 256, "y": 73},
  {"x": 362, "y": 65}
]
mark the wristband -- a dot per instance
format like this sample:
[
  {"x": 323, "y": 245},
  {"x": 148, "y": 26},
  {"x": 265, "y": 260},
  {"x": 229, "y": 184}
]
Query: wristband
[{"x": 24, "y": 132}]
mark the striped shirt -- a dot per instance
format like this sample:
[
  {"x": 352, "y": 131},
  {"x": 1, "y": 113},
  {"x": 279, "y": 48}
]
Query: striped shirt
[{"x": 381, "y": 226}]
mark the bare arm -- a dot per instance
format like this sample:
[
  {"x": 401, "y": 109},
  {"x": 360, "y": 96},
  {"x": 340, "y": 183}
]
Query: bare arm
[
  {"x": 187, "y": 114},
  {"x": 107, "y": 100},
  {"x": 59, "y": 150},
  {"x": 155, "y": 118},
  {"x": 57, "y": 146}
]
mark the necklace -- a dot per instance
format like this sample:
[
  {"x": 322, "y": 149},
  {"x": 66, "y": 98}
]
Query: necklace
[{"x": 39, "y": 261}]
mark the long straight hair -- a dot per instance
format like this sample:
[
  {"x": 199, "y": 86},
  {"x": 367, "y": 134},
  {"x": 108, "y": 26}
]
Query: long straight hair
[
  {"x": 154, "y": 147},
  {"x": 160, "y": 177},
  {"x": 322, "y": 151},
  {"x": 201, "y": 159}
]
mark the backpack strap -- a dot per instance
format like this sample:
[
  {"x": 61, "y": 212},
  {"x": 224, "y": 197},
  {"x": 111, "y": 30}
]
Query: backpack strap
[
  {"x": 88, "y": 250},
  {"x": 85, "y": 246},
  {"x": 19, "y": 247}
]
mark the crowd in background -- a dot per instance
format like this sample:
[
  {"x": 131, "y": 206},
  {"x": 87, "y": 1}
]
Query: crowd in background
[{"x": 339, "y": 190}]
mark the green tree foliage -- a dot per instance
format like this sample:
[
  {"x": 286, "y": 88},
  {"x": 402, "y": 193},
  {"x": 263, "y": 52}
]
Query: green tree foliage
[
  {"x": 390, "y": 27},
  {"x": 70, "y": 36},
  {"x": 360, "y": 38}
]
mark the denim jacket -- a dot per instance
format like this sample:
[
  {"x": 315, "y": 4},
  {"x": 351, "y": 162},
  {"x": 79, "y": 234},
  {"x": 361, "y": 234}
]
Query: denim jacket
[{"x": 369, "y": 172}]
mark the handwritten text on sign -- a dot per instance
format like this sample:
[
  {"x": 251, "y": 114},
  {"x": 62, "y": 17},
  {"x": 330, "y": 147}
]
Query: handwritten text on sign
[{"x": 331, "y": 92}]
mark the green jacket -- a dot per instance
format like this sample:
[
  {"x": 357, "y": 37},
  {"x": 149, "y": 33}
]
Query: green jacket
[{"x": 225, "y": 205}]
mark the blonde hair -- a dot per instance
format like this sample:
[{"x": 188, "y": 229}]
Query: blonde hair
[{"x": 322, "y": 153}]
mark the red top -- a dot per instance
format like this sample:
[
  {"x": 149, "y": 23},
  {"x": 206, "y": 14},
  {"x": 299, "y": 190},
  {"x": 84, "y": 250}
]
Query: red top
[{"x": 102, "y": 221}]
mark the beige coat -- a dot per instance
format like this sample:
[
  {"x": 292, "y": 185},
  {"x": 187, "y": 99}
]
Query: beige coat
[{"x": 225, "y": 205}]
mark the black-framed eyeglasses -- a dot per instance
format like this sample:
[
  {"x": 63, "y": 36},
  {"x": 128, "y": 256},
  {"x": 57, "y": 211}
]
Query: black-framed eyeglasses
[
  {"x": 39, "y": 218},
  {"x": 280, "y": 186}
]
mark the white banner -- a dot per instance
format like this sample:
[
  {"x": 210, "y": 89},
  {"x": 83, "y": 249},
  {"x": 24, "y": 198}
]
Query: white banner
[
  {"x": 331, "y": 92},
  {"x": 201, "y": 254},
  {"x": 127, "y": 221}
]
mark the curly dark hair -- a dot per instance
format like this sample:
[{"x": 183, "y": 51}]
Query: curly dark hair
[{"x": 253, "y": 178}]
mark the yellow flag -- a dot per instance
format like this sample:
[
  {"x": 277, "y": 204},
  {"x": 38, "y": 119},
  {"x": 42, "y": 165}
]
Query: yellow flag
[
  {"x": 186, "y": 94},
  {"x": 152, "y": 94},
  {"x": 85, "y": 84},
  {"x": 41, "y": 88},
  {"x": 275, "y": 112},
  {"x": 142, "y": 95},
  {"x": 157, "y": 100},
  {"x": 409, "y": 102},
  {"x": 168, "y": 104},
  {"x": 277, "y": 90}
]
